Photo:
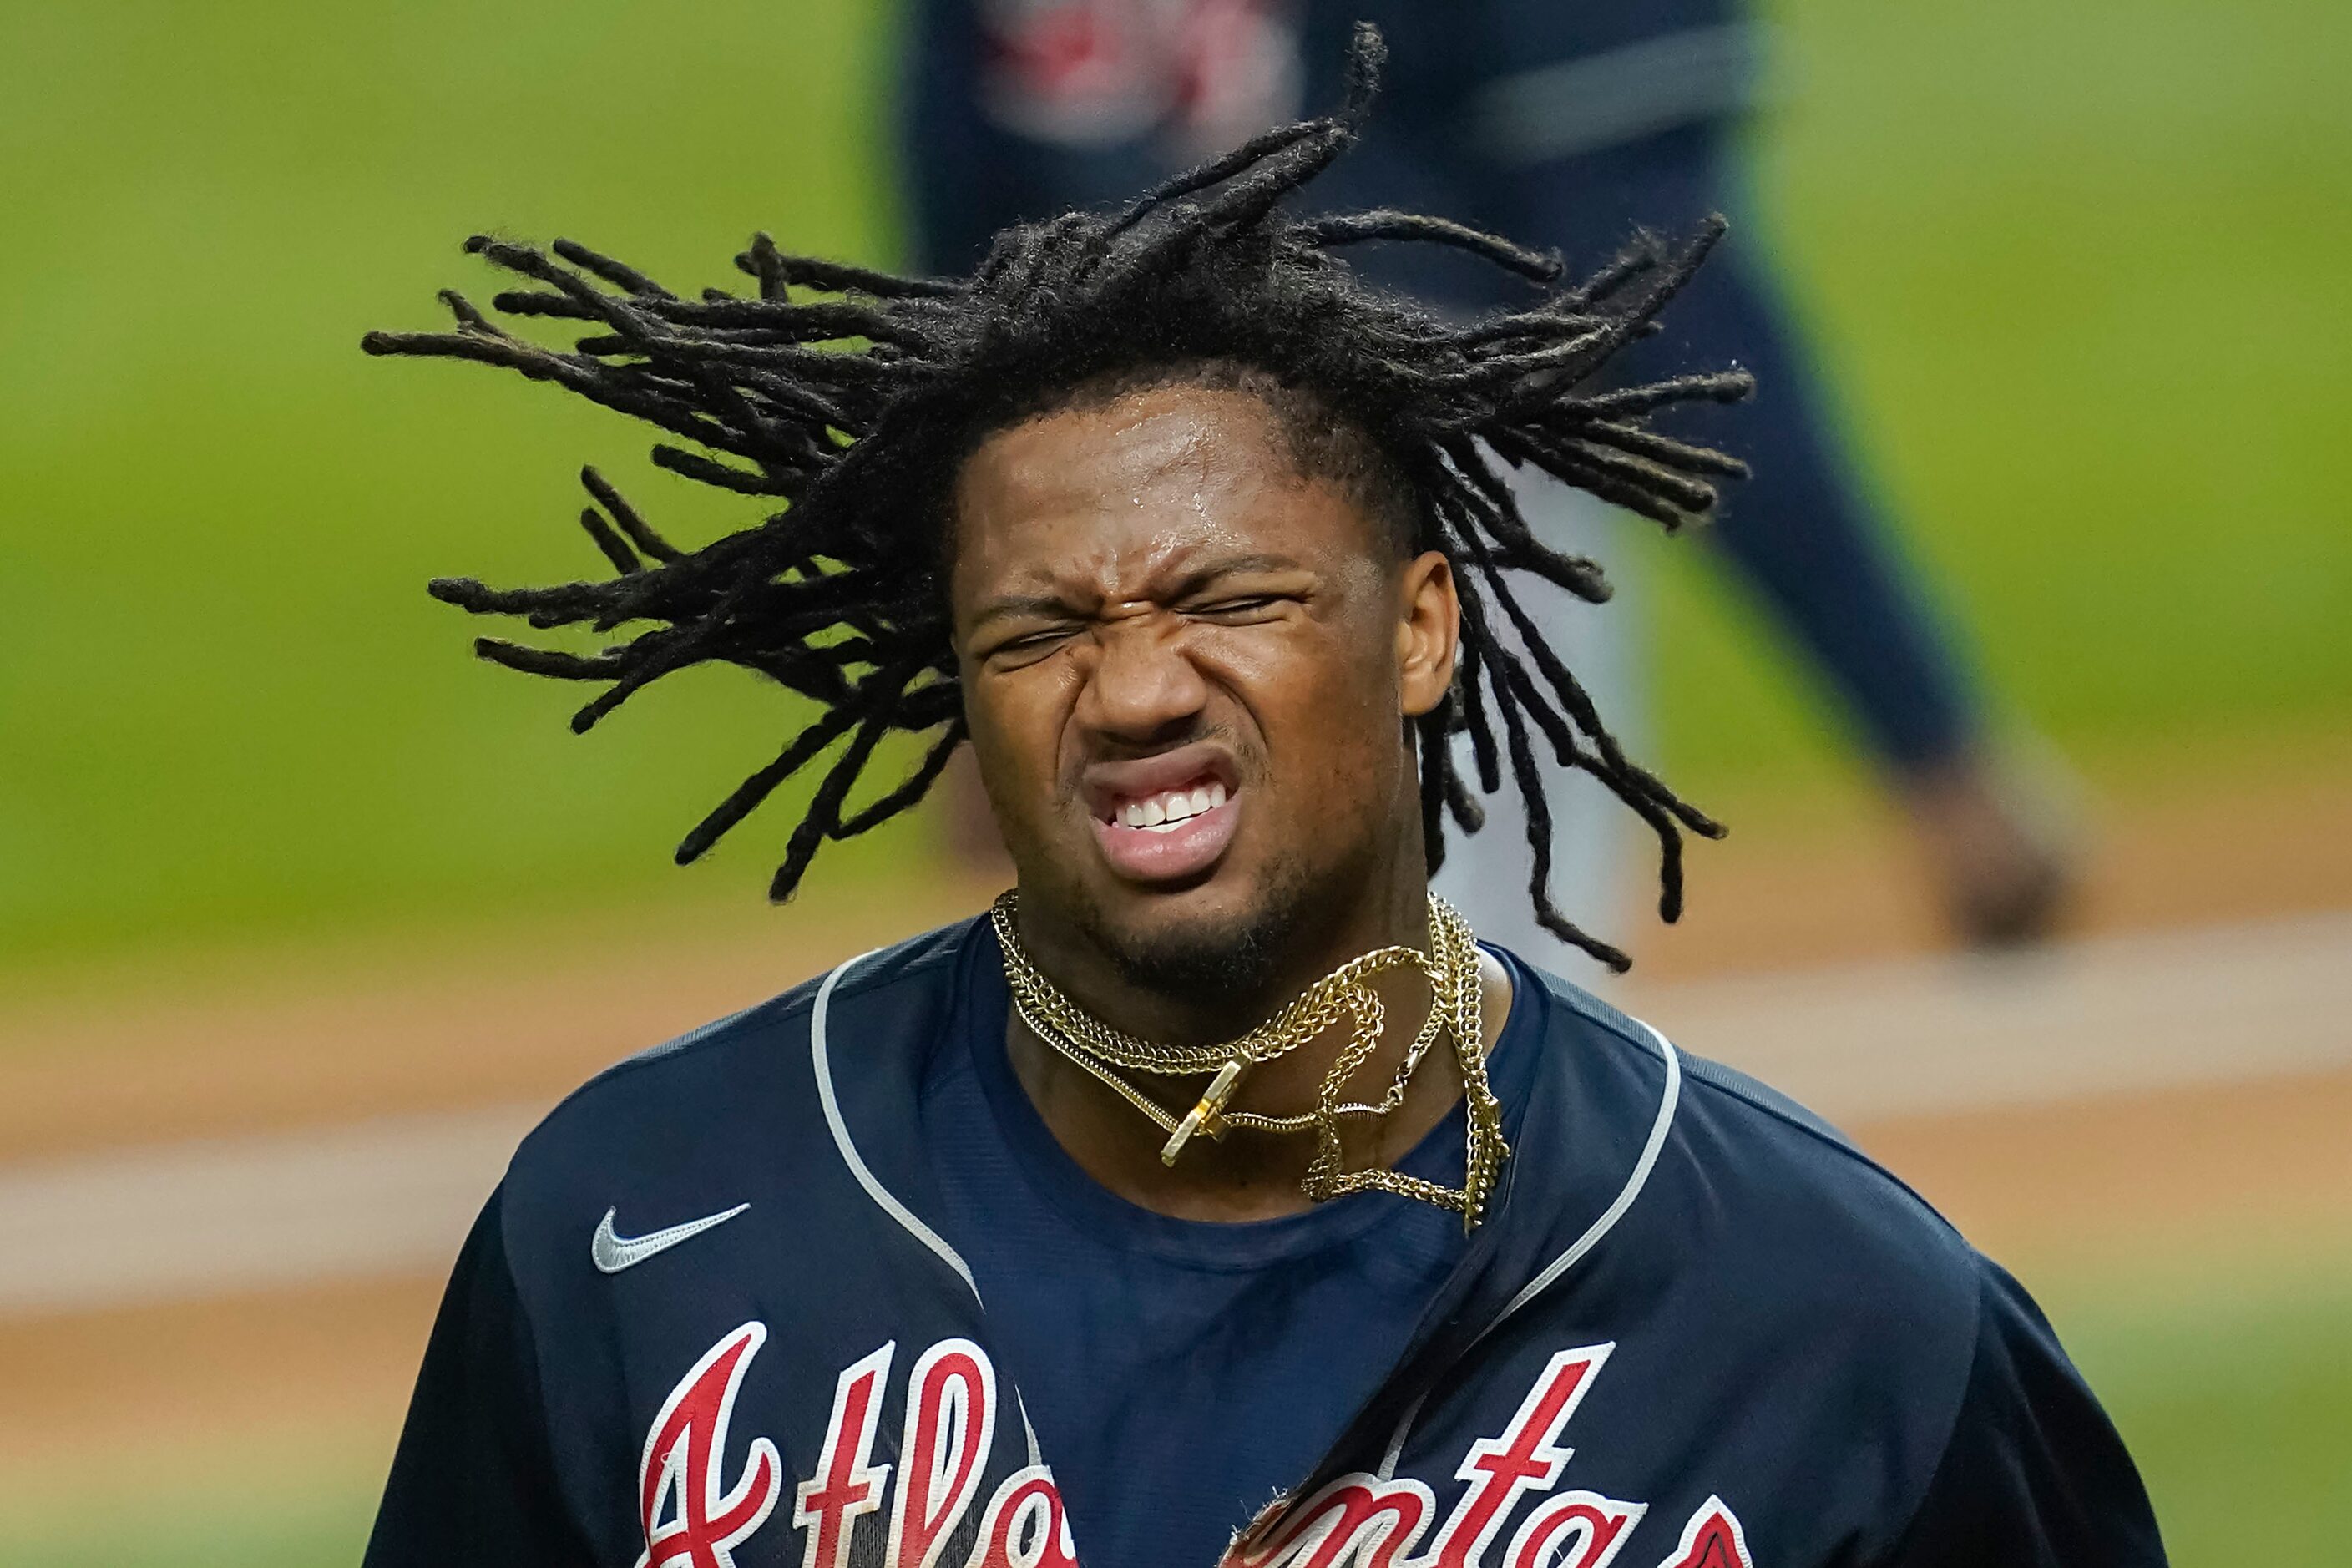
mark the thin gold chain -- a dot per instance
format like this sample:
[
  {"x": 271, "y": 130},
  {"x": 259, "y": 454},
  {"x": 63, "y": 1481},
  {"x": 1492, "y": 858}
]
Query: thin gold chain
[{"x": 1456, "y": 1012}]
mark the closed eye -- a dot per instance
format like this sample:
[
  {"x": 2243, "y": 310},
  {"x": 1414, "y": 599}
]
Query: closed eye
[
  {"x": 1029, "y": 645},
  {"x": 1241, "y": 607}
]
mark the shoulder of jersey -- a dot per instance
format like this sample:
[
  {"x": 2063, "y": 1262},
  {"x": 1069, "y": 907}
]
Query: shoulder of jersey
[
  {"x": 752, "y": 1069},
  {"x": 1779, "y": 1193},
  {"x": 1751, "y": 1108}
]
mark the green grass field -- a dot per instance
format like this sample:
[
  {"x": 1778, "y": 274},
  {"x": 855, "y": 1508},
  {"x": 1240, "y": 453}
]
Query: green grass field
[
  {"x": 2080, "y": 266},
  {"x": 2234, "y": 1386}
]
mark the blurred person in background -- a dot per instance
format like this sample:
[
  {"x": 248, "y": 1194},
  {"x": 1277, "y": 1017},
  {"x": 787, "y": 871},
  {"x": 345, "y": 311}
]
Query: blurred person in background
[{"x": 1566, "y": 125}]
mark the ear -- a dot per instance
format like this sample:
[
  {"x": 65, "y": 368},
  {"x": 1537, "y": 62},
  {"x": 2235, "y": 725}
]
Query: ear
[{"x": 1429, "y": 630}]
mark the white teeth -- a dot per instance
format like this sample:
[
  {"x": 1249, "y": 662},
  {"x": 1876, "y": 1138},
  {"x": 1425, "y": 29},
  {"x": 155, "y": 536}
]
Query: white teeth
[{"x": 1163, "y": 812}]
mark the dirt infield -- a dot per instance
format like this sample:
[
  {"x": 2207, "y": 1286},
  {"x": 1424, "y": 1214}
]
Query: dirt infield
[
  {"x": 271, "y": 1370},
  {"x": 2081, "y": 1183}
]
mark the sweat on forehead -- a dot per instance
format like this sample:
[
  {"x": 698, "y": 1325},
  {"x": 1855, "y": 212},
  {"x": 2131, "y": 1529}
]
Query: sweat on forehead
[{"x": 1246, "y": 416}]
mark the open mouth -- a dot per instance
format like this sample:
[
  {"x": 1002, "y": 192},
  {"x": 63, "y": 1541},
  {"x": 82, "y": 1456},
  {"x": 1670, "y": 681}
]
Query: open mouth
[
  {"x": 1167, "y": 817},
  {"x": 1168, "y": 810}
]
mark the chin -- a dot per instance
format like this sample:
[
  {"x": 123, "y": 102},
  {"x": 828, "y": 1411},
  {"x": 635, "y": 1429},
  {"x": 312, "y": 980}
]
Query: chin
[{"x": 1206, "y": 937}]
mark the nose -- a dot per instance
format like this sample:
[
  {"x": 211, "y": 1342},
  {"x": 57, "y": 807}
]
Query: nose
[{"x": 1140, "y": 689}]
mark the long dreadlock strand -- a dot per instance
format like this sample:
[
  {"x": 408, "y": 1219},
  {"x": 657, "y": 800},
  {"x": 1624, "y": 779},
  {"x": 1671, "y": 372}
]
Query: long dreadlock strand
[
  {"x": 823, "y": 818},
  {"x": 916, "y": 786},
  {"x": 747, "y": 796},
  {"x": 1357, "y": 229},
  {"x": 626, "y": 517},
  {"x": 1538, "y": 814},
  {"x": 1216, "y": 172},
  {"x": 619, "y": 274},
  {"x": 1472, "y": 716},
  {"x": 617, "y": 549},
  {"x": 1431, "y": 740},
  {"x": 1715, "y": 386}
]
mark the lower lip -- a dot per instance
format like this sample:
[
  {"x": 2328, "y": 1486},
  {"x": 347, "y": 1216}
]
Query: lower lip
[{"x": 1144, "y": 855}]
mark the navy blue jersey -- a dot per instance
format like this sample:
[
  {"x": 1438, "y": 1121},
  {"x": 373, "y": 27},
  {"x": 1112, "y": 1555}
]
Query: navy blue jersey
[
  {"x": 717, "y": 1315},
  {"x": 1090, "y": 1297}
]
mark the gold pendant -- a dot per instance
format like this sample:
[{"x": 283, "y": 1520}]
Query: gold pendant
[{"x": 1212, "y": 1103}]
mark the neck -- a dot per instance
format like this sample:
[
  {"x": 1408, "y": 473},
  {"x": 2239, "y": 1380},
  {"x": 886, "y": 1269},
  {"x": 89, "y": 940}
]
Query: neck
[
  {"x": 1245, "y": 1174},
  {"x": 1392, "y": 911}
]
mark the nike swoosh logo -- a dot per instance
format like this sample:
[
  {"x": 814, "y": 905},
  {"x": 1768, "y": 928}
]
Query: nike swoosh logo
[{"x": 612, "y": 1252}]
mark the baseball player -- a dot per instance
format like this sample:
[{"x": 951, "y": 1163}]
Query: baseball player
[{"x": 1218, "y": 1196}]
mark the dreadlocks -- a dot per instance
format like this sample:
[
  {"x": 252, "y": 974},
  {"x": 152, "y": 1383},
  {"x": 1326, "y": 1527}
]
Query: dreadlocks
[{"x": 852, "y": 396}]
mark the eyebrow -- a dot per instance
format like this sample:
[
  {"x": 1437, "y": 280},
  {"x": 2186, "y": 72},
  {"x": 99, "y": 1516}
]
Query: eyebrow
[
  {"x": 1047, "y": 605},
  {"x": 1234, "y": 565},
  {"x": 1053, "y": 606}
]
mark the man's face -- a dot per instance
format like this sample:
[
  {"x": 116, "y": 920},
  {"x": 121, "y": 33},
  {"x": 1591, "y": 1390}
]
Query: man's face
[{"x": 1187, "y": 668}]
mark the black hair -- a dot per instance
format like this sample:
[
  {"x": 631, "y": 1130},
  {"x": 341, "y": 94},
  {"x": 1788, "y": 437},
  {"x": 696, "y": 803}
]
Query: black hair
[{"x": 853, "y": 396}]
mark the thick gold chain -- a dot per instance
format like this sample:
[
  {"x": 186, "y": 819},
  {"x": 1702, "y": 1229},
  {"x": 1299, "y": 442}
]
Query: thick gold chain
[{"x": 1455, "y": 1011}]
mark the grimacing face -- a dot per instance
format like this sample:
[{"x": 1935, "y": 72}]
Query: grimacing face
[{"x": 1187, "y": 670}]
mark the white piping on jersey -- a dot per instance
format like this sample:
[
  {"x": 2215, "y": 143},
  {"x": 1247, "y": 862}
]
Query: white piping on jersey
[
  {"x": 820, "y": 1057},
  {"x": 1035, "y": 1458},
  {"x": 1667, "y": 1101}
]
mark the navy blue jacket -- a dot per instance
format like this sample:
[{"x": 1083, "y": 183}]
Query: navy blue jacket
[{"x": 1698, "y": 1329}]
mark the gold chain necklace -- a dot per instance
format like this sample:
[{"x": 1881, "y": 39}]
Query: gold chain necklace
[{"x": 1451, "y": 967}]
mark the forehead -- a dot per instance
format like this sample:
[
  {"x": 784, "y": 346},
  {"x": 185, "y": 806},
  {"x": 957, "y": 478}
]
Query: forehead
[{"x": 1168, "y": 472}]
